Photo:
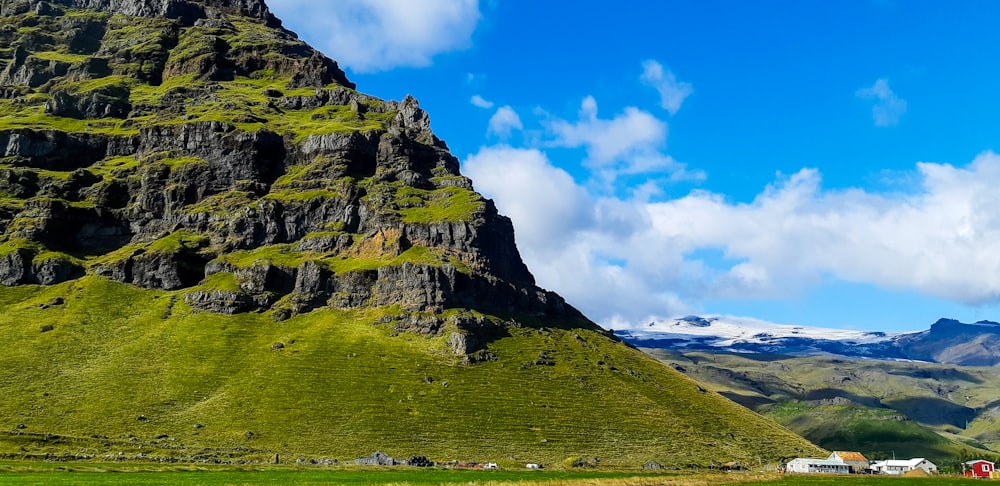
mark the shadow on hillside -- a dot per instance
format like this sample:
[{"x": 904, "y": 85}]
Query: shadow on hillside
[
  {"x": 940, "y": 374},
  {"x": 749, "y": 401},
  {"x": 934, "y": 411},
  {"x": 760, "y": 357},
  {"x": 535, "y": 321},
  {"x": 711, "y": 355},
  {"x": 991, "y": 405},
  {"x": 832, "y": 393}
]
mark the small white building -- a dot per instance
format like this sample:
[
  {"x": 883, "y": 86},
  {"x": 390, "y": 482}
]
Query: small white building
[
  {"x": 810, "y": 465},
  {"x": 901, "y": 466}
]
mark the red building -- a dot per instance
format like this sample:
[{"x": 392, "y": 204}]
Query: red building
[{"x": 978, "y": 468}]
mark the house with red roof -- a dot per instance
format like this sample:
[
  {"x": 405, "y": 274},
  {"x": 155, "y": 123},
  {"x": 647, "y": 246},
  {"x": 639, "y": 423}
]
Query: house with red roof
[{"x": 855, "y": 460}]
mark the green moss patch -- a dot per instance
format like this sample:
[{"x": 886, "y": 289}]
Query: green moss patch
[{"x": 449, "y": 204}]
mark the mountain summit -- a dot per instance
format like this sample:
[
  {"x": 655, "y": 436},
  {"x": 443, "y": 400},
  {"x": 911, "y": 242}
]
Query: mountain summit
[
  {"x": 212, "y": 247},
  {"x": 198, "y": 148}
]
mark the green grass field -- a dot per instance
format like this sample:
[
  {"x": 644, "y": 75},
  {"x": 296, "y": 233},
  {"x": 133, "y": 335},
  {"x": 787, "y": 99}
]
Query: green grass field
[
  {"x": 25, "y": 474},
  {"x": 103, "y": 476}
]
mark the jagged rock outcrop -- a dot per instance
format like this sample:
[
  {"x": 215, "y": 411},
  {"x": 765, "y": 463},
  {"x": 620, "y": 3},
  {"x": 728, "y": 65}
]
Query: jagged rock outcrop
[
  {"x": 26, "y": 266},
  {"x": 196, "y": 146}
]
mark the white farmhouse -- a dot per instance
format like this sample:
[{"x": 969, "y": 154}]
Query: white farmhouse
[
  {"x": 894, "y": 467},
  {"x": 809, "y": 465}
]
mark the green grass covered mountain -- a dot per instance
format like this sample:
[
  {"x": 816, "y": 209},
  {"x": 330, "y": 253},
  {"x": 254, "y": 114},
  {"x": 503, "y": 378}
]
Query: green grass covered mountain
[{"x": 212, "y": 247}]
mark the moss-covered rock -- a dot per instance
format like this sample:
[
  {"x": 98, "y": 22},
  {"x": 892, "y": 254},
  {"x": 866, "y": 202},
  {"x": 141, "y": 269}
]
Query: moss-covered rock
[{"x": 173, "y": 143}]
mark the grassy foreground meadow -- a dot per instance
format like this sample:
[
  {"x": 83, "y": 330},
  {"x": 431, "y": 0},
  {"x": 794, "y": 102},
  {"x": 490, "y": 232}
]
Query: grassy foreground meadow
[{"x": 96, "y": 475}]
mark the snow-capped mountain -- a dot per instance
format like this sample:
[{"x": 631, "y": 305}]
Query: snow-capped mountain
[{"x": 947, "y": 341}]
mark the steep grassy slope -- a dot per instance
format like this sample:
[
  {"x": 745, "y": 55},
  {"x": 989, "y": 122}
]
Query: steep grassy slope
[
  {"x": 873, "y": 406},
  {"x": 142, "y": 369}
]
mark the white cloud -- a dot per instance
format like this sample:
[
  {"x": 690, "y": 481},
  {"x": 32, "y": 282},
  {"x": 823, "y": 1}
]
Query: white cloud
[
  {"x": 672, "y": 92},
  {"x": 480, "y": 102},
  {"x": 504, "y": 122},
  {"x": 630, "y": 143},
  {"x": 375, "y": 35},
  {"x": 623, "y": 260},
  {"x": 888, "y": 107},
  {"x": 606, "y": 140},
  {"x": 545, "y": 201}
]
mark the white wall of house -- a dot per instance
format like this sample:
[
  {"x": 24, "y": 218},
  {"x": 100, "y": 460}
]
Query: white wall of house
[
  {"x": 808, "y": 465},
  {"x": 895, "y": 467}
]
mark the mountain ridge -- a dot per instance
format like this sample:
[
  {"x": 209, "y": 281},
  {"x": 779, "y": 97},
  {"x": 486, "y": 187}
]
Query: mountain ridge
[
  {"x": 187, "y": 11},
  {"x": 947, "y": 341}
]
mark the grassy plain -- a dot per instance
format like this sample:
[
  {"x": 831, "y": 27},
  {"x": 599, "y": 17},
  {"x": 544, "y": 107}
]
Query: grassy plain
[{"x": 99, "y": 475}]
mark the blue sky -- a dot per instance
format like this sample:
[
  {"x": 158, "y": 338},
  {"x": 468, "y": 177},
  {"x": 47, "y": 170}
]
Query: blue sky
[{"x": 801, "y": 162}]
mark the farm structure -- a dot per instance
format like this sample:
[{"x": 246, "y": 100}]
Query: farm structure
[
  {"x": 896, "y": 467},
  {"x": 978, "y": 468},
  {"x": 856, "y": 461},
  {"x": 809, "y": 465}
]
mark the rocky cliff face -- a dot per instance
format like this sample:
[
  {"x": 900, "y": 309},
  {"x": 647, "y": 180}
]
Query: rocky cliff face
[{"x": 196, "y": 145}]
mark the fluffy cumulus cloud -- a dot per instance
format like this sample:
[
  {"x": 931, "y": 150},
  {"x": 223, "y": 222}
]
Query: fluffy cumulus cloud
[
  {"x": 625, "y": 261},
  {"x": 888, "y": 107},
  {"x": 672, "y": 92},
  {"x": 504, "y": 122},
  {"x": 547, "y": 204},
  {"x": 629, "y": 143},
  {"x": 608, "y": 140},
  {"x": 374, "y": 35}
]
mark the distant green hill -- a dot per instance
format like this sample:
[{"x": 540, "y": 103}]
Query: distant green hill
[
  {"x": 875, "y": 407},
  {"x": 876, "y": 432}
]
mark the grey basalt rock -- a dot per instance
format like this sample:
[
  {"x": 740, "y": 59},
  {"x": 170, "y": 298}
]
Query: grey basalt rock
[
  {"x": 51, "y": 271},
  {"x": 352, "y": 290},
  {"x": 55, "y": 150},
  {"x": 168, "y": 271},
  {"x": 95, "y": 104},
  {"x": 15, "y": 267},
  {"x": 221, "y": 301},
  {"x": 24, "y": 69},
  {"x": 233, "y": 154},
  {"x": 461, "y": 343},
  {"x": 488, "y": 248},
  {"x": 22, "y": 266},
  {"x": 415, "y": 287}
]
